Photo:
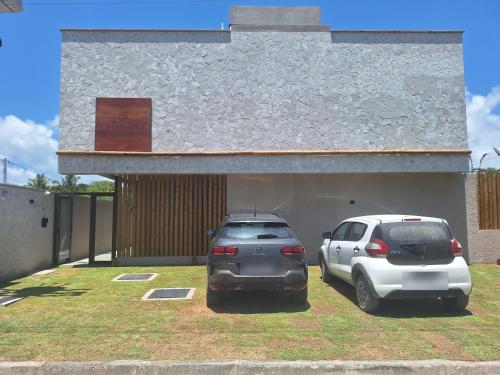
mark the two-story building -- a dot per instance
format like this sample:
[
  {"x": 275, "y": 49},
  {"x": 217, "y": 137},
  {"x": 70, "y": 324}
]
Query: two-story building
[{"x": 279, "y": 113}]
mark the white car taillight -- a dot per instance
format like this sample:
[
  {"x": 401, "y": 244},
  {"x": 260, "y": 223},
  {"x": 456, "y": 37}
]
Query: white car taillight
[
  {"x": 377, "y": 248},
  {"x": 456, "y": 247}
]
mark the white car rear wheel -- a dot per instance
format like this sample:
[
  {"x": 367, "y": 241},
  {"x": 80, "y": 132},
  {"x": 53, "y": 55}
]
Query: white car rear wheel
[
  {"x": 366, "y": 300},
  {"x": 326, "y": 276},
  {"x": 458, "y": 303}
]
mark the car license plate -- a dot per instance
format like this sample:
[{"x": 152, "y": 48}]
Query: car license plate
[{"x": 425, "y": 281}]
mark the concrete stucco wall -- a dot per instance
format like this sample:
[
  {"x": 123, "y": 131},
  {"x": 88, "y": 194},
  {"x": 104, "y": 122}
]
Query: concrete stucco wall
[
  {"x": 222, "y": 90},
  {"x": 25, "y": 246},
  {"x": 314, "y": 204},
  {"x": 484, "y": 245},
  {"x": 81, "y": 226},
  {"x": 93, "y": 164}
]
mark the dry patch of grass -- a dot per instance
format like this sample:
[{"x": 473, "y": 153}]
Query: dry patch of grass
[{"x": 446, "y": 347}]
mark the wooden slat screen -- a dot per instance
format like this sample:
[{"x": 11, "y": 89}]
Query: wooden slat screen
[
  {"x": 488, "y": 196},
  {"x": 168, "y": 215}
]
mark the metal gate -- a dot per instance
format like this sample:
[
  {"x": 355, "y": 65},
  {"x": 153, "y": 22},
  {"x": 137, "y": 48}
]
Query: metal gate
[
  {"x": 63, "y": 228},
  {"x": 63, "y": 225}
]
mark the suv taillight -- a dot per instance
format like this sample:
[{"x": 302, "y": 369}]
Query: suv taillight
[
  {"x": 456, "y": 247},
  {"x": 219, "y": 250},
  {"x": 287, "y": 250},
  {"x": 377, "y": 248}
]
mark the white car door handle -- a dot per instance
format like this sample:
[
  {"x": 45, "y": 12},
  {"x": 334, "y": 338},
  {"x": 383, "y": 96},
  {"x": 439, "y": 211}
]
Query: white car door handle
[
  {"x": 338, "y": 248},
  {"x": 356, "y": 249}
]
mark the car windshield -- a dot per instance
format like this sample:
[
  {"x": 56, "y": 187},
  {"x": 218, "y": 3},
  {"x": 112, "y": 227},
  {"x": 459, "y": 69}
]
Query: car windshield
[
  {"x": 417, "y": 242},
  {"x": 416, "y": 232},
  {"x": 254, "y": 230}
]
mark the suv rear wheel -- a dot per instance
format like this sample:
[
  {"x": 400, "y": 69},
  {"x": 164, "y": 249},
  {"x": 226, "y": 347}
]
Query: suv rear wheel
[
  {"x": 458, "y": 303},
  {"x": 326, "y": 276},
  {"x": 214, "y": 297},
  {"x": 366, "y": 300}
]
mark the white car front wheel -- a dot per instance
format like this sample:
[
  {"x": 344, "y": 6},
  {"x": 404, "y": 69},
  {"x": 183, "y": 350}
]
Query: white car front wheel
[{"x": 326, "y": 276}]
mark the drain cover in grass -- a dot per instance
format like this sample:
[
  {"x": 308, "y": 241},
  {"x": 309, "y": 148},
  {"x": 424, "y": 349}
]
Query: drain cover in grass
[
  {"x": 6, "y": 301},
  {"x": 169, "y": 294},
  {"x": 136, "y": 277}
]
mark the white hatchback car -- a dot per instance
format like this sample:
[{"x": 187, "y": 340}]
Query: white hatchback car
[{"x": 397, "y": 256}]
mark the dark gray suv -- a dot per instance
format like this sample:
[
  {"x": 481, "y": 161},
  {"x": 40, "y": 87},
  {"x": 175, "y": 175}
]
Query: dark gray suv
[{"x": 256, "y": 252}]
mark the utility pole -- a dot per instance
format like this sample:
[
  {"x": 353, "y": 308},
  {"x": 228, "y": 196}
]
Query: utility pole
[{"x": 5, "y": 170}]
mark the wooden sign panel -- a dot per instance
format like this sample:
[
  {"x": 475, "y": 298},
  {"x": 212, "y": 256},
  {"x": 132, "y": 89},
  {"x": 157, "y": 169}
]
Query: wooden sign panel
[{"x": 123, "y": 124}]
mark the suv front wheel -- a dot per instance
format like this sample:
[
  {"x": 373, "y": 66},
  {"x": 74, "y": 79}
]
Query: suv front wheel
[{"x": 366, "y": 300}]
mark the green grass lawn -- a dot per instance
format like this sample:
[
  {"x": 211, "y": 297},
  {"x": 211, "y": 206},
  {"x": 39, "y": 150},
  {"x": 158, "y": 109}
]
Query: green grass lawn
[{"x": 79, "y": 314}]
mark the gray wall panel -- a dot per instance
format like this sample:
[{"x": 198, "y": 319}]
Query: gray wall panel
[{"x": 314, "y": 204}]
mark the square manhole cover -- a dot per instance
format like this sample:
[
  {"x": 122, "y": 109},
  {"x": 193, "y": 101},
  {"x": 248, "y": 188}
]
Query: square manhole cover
[
  {"x": 136, "y": 277},
  {"x": 169, "y": 294}
]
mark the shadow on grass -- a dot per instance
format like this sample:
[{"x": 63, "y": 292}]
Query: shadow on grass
[
  {"x": 98, "y": 264},
  {"x": 239, "y": 302},
  {"x": 401, "y": 308},
  {"x": 41, "y": 291}
]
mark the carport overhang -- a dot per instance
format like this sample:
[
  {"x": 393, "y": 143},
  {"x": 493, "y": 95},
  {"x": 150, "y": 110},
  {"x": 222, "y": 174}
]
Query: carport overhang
[{"x": 238, "y": 162}]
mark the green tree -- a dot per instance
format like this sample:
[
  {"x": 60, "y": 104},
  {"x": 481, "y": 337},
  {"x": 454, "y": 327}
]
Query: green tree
[
  {"x": 40, "y": 181},
  {"x": 68, "y": 184},
  {"x": 491, "y": 171},
  {"x": 100, "y": 186}
]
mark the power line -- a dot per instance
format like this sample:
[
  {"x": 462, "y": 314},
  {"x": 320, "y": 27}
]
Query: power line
[
  {"x": 119, "y": 2},
  {"x": 21, "y": 167},
  {"x": 6, "y": 162}
]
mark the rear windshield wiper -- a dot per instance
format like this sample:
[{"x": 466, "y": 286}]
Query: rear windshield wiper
[
  {"x": 411, "y": 244},
  {"x": 270, "y": 235}
]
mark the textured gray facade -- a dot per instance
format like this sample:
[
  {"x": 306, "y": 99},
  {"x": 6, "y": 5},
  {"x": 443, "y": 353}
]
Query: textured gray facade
[
  {"x": 111, "y": 165},
  {"x": 302, "y": 107},
  {"x": 221, "y": 90}
]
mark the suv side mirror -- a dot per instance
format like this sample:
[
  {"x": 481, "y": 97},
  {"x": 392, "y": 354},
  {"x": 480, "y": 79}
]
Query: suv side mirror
[
  {"x": 211, "y": 233},
  {"x": 327, "y": 235}
]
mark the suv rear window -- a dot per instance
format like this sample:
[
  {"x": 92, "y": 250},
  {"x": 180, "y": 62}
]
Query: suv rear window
[
  {"x": 255, "y": 230},
  {"x": 419, "y": 242}
]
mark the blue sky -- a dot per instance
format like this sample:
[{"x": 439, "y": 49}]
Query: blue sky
[{"x": 30, "y": 55}]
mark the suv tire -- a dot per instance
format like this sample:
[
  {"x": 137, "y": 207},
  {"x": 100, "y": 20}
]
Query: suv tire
[
  {"x": 214, "y": 297},
  {"x": 299, "y": 297},
  {"x": 458, "y": 303},
  {"x": 364, "y": 296},
  {"x": 326, "y": 276}
]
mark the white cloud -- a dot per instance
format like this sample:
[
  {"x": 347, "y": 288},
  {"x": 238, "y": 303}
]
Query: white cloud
[
  {"x": 18, "y": 176},
  {"x": 33, "y": 146},
  {"x": 29, "y": 144},
  {"x": 483, "y": 126}
]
